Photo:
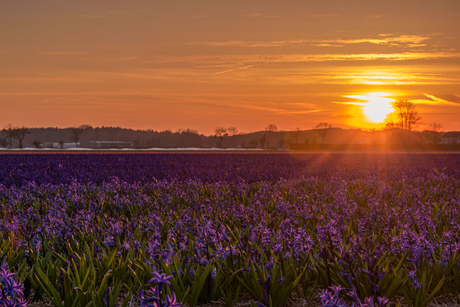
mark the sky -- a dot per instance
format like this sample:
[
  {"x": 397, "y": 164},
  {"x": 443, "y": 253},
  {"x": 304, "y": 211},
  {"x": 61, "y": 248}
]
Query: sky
[{"x": 202, "y": 64}]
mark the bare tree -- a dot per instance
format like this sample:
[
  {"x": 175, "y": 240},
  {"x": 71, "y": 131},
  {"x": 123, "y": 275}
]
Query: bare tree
[
  {"x": 4, "y": 142},
  {"x": 232, "y": 131},
  {"x": 322, "y": 129},
  {"x": 271, "y": 128},
  {"x": 75, "y": 133},
  {"x": 433, "y": 133},
  {"x": 253, "y": 143},
  {"x": 61, "y": 144},
  {"x": 36, "y": 143},
  {"x": 220, "y": 133},
  {"x": 405, "y": 116},
  {"x": 9, "y": 131},
  {"x": 263, "y": 140},
  {"x": 20, "y": 133},
  {"x": 294, "y": 135}
]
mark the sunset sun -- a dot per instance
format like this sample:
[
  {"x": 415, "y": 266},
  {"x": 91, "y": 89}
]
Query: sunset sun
[{"x": 375, "y": 106}]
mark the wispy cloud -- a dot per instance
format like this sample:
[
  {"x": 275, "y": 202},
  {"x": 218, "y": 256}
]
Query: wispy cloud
[
  {"x": 323, "y": 15},
  {"x": 199, "y": 16},
  {"x": 409, "y": 40},
  {"x": 92, "y": 16},
  {"x": 440, "y": 100},
  {"x": 259, "y": 15},
  {"x": 89, "y": 16},
  {"x": 62, "y": 53},
  {"x": 372, "y": 17},
  {"x": 292, "y": 58},
  {"x": 230, "y": 70}
]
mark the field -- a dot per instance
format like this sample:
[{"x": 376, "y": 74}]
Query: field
[{"x": 261, "y": 229}]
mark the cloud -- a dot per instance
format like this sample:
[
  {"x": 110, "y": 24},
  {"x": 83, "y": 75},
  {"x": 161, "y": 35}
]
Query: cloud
[
  {"x": 294, "y": 58},
  {"x": 373, "y": 17},
  {"x": 440, "y": 100},
  {"x": 259, "y": 15},
  {"x": 323, "y": 15},
  {"x": 88, "y": 16},
  {"x": 385, "y": 39},
  {"x": 92, "y": 16},
  {"x": 199, "y": 16},
  {"x": 230, "y": 70},
  {"x": 62, "y": 53}
]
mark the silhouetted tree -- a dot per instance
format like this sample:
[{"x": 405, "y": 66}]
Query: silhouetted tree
[
  {"x": 20, "y": 133},
  {"x": 36, "y": 144},
  {"x": 9, "y": 131},
  {"x": 252, "y": 143},
  {"x": 75, "y": 133},
  {"x": 232, "y": 131},
  {"x": 433, "y": 133},
  {"x": 271, "y": 128},
  {"x": 61, "y": 144},
  {"x": 4, "y": 142},
  {"x": 220, "y": 133},
  {"x": 295, "y": 135},
  {"x": 404, "y": 117},
  {"x": 263, "y": 141},
  {"x": 322, "y": 129}
]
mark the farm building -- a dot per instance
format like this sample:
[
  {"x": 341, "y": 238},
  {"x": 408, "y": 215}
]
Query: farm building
[
  {"x": 110, "y": 144},
  {"x": 452, "y": 137}
]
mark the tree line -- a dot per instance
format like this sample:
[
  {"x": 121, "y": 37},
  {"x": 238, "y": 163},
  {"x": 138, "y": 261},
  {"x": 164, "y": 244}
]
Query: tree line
[{"x": 405, "y": 118}]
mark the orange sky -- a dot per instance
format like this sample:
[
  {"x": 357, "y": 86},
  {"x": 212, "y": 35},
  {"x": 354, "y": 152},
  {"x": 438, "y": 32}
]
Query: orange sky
[{"x": 200, "y": 64}]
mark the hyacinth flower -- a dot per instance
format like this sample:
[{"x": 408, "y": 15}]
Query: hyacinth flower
[
  {"x": 11, "y": 288},
  {"x": 332, "y": 299},
  {"x": 155, "y": 298}
]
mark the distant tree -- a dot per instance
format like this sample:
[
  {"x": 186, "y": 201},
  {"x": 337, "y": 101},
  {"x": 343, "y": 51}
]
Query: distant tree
[
  {"x": 263, "y": 140},
  {"x": 433, "y": 133},
  {"x": 295, "y": 135},
  {"x": 307, "y": 140},
  {"x": 20, "y": 133},
  {"x": 86, "y": 126},
  {"x": 232, "y": 131},
  {"x": 61, "y": 144},
  {"x": 253, "y": 143},
  {"x": 9, "y": 131},
  {"x": 191, "y": 131},
  {"x": 322, "y": 129},
  {"x": 4, "y": 141},
  {"x": 281, "y": 143},
  {"x": 220, "y": 133},
  {"x": 75, "y": 133},
  {"x": 405, "y": 116},
  {"x": 36, "y": 144},
  {"x": 271, "y": 128}
]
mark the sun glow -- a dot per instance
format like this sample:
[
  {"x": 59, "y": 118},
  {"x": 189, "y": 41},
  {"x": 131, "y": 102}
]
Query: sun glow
[{"x": 376, "y": 106}]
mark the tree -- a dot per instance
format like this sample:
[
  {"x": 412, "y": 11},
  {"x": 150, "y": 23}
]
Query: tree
[
  {"x": 433, "y": 133},
  {"x": 232, "y": 131},
  {"x": 271, "y": 128},
  {"x": 220, "y": 133},
  {"x": 4, "y": 142},
  {"x": 75, "y": 133},
  {"x": 61, "y": 144},
  {"x": 253, "y": 143},
  {"x": 322, "y": 129},
  {"x": 8, "y": 130},
  {"x": 404, "y": 117},
  {"x": 295, "y": 135},
  {"x": 20, "y": 133},
  {"x": 36, "y": 143},
  {"x": 263, "y": 140}
]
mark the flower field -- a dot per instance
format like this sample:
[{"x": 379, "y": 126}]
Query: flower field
[{"x": 109, "y": 230}]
